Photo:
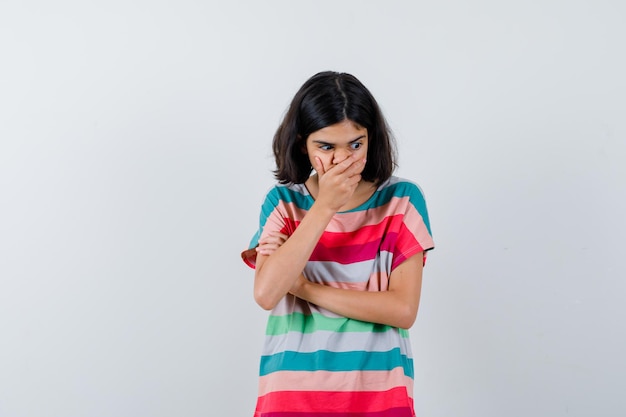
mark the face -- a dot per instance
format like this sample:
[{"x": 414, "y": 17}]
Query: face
[{"x": 334, "y": 143}]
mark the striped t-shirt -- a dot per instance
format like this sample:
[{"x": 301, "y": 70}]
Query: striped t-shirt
[{"x": 315, "y": 362}]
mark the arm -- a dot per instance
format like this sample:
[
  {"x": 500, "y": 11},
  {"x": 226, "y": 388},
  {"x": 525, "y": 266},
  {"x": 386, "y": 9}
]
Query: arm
[
  {"x": 277, "y": 272},
  {"x": 395, "y": 307}
]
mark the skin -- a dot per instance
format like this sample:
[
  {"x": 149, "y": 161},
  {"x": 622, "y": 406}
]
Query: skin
[{"x": 337, "y": 153}]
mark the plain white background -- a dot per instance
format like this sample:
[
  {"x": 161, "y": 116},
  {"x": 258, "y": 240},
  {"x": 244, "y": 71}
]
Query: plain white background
[{"x": 135, "y": 152}]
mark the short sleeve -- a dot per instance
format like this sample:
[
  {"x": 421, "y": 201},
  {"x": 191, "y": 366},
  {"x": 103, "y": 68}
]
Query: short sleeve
[
  {"x": 414, "y": 234},
  {"x": 270, "y": 219}
]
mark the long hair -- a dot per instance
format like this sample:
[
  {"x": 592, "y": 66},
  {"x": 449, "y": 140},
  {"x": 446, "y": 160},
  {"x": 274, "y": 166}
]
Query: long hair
[{"x": 323, "y": 100}]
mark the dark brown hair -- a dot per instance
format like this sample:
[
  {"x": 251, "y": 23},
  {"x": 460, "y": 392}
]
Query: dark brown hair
[{"x": 323, "y": 100}]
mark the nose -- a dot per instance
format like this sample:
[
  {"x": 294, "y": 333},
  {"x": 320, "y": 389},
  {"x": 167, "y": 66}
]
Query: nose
[{"x": 340, "y": 155}]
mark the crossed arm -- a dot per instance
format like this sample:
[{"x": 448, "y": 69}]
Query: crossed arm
[
  {"x": 395, "y": 307},
  {"x": 280, "y": 261}
]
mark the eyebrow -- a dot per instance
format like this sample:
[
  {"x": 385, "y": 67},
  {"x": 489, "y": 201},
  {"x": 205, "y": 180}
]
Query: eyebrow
[{"x": 321, "y": 142}]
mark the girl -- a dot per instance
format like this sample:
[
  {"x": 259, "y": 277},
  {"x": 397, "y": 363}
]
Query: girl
[{"x": 338, "y": 260}]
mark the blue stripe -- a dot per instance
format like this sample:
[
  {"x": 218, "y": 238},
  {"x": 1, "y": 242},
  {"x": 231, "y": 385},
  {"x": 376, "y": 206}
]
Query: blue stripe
[
  {"x": 394, "y": 187},
  {"x": 324, "y": 360}
]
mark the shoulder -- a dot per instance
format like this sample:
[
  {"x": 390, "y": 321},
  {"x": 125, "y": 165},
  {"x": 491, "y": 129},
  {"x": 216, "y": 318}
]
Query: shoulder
[
  {"x": 286, "y": 190},
  {"x": 287, "y": 194},
  {"x": 396, "y": 187},
  {"x": 402, "y": 195},
  {"x": 411, "y": 201}
]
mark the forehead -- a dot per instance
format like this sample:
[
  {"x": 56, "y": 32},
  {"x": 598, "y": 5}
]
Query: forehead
[{"x": 345, "y": 130}]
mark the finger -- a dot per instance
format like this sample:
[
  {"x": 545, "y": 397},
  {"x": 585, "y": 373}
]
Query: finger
[
  {"x": 267, "y": 249},
  {"x": 356, "y": 168},
  {"x": 274, "y": 237},
  {"x": 354, "y": 180},
  {"x": 266, "y": 246},
  {"x": 319, "y": 167},
  {"x": 271, "y": 243},
  {"x": 282, "y": 236},
  {"x": 353, "y": 163}
]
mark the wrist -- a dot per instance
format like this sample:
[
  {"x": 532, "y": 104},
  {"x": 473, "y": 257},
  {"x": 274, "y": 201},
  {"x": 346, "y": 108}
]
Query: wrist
[
  {"x": 299, "y": 287},
  {"x": 322, "y": 210}
]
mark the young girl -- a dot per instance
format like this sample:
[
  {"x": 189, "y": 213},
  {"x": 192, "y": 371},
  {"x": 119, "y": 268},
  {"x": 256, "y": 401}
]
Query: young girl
[{"x": 338, "y": 260}]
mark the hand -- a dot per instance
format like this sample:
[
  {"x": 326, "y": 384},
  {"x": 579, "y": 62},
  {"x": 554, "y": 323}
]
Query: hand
[
  {"x": 270, "y": 243},
  {"x": 339, "y": 182}
]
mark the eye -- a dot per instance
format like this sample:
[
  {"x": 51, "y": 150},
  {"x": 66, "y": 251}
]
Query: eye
[
  {"x": 326, "y": 147},
  {"x": 356, "y": 145}
]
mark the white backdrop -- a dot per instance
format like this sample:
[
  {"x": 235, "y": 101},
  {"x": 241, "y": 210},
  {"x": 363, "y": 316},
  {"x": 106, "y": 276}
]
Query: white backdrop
[{"x": 135, "y": 152}]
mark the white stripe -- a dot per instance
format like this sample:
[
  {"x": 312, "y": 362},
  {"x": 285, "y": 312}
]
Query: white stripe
[
  {"x": 358, "y": 272},
  {"x": 337, "y": 342}
]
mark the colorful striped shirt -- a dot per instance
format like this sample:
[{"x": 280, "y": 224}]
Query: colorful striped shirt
[{"x": 316, "y": 362}]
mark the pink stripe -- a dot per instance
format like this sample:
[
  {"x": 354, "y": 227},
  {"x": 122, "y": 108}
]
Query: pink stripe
[
  {"x": 323, "y": 380},
  {"x": 414, "y": 221},
  {"x": 378, "y": 281},
  {"x": 346, "y": 222}
]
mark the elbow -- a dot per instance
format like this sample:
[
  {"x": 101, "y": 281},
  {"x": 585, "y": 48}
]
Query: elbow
[
  {"x": 264, "y": 300},
  {"x": 406, "y": 318},
  {"x": 268, "y": 306},
  {"x": 263, "y": 294},
  {"x": 405, "y": 323}
]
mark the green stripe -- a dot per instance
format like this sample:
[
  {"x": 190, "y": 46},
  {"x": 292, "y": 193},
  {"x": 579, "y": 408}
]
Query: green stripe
[{"x": 298, "y": 322}]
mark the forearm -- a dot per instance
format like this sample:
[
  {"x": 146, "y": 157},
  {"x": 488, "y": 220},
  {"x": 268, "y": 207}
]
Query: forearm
[
  {"x": 385, "y": 307},
  {"x": 397, "y": 306},
  {"x": 276, "y": 274}
]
